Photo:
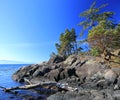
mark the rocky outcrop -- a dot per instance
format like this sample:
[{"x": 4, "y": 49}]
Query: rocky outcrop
[
  {"x": 94, "y": 79},
  {"x": 55, "y": 59}
]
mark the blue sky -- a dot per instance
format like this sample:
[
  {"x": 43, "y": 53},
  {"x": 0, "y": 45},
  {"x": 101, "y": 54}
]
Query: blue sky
[{"x": 29, "y": 29}]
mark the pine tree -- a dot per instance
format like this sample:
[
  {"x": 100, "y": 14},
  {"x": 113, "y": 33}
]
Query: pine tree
[
  {"x": 93, "y": 16},
  {"x": 103, "y": 38},
  {"x": 67, "y": 43}
]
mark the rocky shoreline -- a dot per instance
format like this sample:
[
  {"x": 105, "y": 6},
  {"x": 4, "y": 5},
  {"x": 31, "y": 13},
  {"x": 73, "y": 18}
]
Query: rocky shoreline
[{"x": 92, "y": 77}]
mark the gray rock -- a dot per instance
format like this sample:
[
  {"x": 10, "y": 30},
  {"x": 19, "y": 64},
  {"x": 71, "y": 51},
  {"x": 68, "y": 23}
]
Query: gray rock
[
  {"x": 38, "y": 73},
  {"x": 54, "y": 75},
  {"x": 70, "y": 60},
  {"x": 77, "y": 63},
  {"x": 116, "y": 70},
  {"x": 89, "y": 76},
  {"x": 25, "y": 72},
  {"x": 81, "y": 73},
  {"x": 70, "y": 96},
  {"x": 118, "y": 82},
  {"x": 110, "y": 76},
  {"x": 21, "y": 73},
  {"x": 101, "y": 84},
  {"x": 96, "y": 95},
  {"x": 55, "y": 59},
  {"x": 116, "y": 95}
]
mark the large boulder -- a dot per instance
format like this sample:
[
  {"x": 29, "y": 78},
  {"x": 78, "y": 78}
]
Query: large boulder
[
  {"x": 88, "y": 69},
  {"x": 55, "y": 59},
  {"x": 118, "y": 83},
  {"x": 116, "y": 95},
  {"x": 81, "y": 73},
  {"x": 116, "y": 70},
  {"x": 54, "y": 75},
  {"x": 23, "y": 72},
  {"x": 70, "y": 60},
  {"x": 70, "y": 96},
  {"x": 116, "y": 52},
  {"x": 96, "y": 95},
  {"x": 66, "y": 73},
  {"x": 110, "y": 75},
  {"x": 41, "y": 71}
]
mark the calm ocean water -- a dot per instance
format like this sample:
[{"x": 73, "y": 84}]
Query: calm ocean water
[{"x": 6, "y": 71}]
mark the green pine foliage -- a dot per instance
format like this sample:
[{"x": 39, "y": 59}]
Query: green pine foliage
[
  {"x": 103, "y": 33},
  {"x": 102, "y": 37},
  {"x": 93, "y": 16},
  {"x": 67, "y": 43}
]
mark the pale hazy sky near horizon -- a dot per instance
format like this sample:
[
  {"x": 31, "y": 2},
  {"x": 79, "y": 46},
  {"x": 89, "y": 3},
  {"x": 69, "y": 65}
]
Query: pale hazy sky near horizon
[{"x": 29, "y": 29}]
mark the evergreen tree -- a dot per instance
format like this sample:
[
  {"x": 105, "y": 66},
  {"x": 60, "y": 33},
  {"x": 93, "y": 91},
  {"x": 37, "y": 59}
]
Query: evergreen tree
[
  {"x": 67, "y": 43},
  {"x": 102, "y": 28},
  {"x": 116, "y": 38},
  {"x": 93, "y": 16},
  {"x": 73, "y": 40},
  {"x": 102, "y": 38}
]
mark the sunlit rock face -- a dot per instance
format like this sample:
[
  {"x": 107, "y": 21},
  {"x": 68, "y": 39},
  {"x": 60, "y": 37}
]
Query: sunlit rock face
[{"x": 91, "y": 76}]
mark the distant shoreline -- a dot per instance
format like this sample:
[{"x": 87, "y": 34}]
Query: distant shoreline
[{"x": 16, "y": 64}]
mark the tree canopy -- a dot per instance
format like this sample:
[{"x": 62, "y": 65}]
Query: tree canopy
[
  {"x": 103, "y": 32},
  {"x": 93, "y": 16},
  {"x": 67, "y": 43},
  {"x": 100, "y": 37}
]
